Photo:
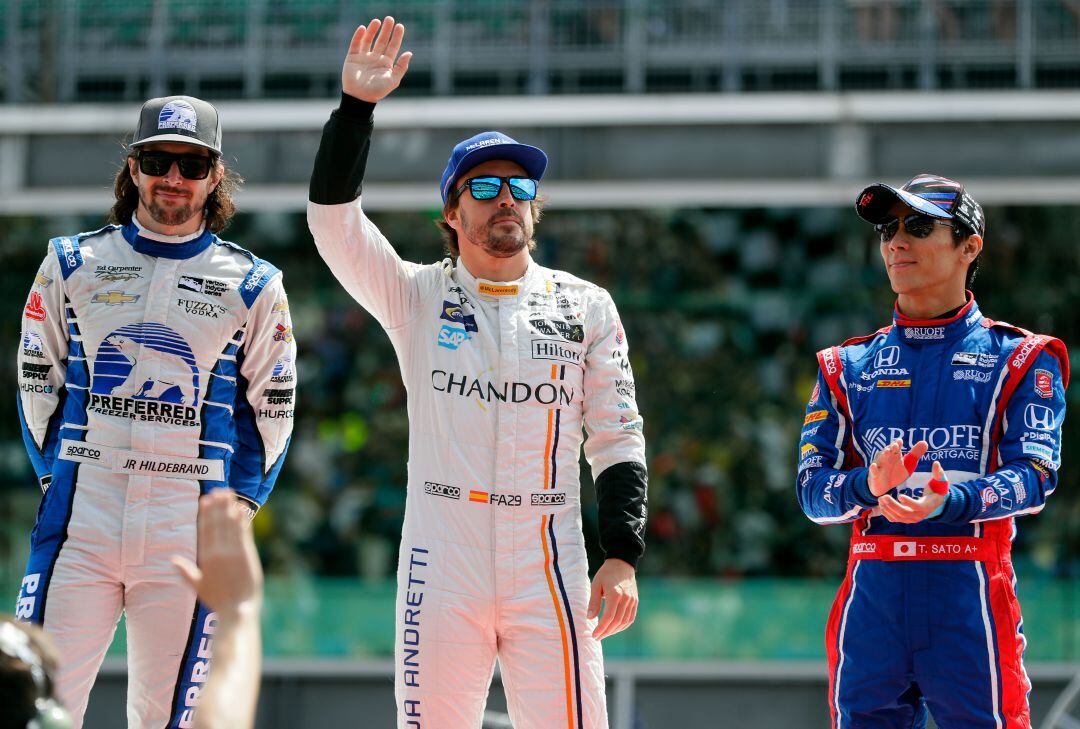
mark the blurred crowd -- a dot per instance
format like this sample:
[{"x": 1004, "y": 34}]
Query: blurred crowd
[{"x": 723, "y": 311}]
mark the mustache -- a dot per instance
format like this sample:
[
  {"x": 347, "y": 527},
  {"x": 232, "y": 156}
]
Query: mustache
[
  {"x": 170, "y": 189},
  {"x": 505, "y": 215}
]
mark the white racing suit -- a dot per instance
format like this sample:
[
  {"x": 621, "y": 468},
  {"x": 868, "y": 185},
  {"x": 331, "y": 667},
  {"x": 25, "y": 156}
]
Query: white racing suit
[
  {"x": 151, "y": 369},
  {"x": 500, "y": 378}
]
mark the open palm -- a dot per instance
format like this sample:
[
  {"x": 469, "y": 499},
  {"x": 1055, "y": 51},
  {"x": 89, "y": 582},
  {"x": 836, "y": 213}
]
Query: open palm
[{"x": 373, "y": 68}]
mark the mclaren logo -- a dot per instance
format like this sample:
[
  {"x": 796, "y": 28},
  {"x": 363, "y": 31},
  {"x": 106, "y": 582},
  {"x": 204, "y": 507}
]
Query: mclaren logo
[{"x": 114, "y": 298}]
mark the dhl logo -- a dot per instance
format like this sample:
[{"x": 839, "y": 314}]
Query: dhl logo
[{"x": 894, "y": 383}]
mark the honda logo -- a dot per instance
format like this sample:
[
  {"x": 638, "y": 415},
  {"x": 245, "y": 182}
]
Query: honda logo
[
  {"x": 1039, "y": 417},
  {"x": 887, "y": 357}
]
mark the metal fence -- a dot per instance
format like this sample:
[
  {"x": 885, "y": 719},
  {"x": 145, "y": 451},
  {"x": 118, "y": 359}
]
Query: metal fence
[{"x": 83, "y": 50}]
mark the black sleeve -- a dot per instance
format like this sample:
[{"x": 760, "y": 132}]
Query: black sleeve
[
  {"x": 623, "y": 505},
  {"x": 343, "y": 152}
]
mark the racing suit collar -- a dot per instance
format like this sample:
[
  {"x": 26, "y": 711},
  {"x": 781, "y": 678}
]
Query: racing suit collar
[
  {"x": 166, "y": 246},
  {"x": 918, "y": 331},
  {"x": 495, "y": 290}
]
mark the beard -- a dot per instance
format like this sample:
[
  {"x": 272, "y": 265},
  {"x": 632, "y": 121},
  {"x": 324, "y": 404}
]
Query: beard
[
  {"x": 495, "y": 236},
  {"x": 176, "y": 214}
]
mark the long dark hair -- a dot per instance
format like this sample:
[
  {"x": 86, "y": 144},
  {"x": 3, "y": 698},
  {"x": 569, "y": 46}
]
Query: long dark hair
[{"x": 219, "y": 210}]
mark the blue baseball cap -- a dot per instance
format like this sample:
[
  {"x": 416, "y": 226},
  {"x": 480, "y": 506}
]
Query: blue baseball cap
[{"x": 486, "y": 146}]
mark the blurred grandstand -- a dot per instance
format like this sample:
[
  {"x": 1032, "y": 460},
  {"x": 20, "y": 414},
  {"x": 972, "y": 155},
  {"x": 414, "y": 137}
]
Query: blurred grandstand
[{"x": 704, "y": 157}]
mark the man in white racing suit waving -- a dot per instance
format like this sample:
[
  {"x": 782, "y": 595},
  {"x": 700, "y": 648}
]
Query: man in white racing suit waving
[
  {"x": 504, "y": 361},
  {"x": 155, "y": 363}
]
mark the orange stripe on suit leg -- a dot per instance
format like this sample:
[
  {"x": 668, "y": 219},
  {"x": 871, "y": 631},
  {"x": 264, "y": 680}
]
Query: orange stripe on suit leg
[
  {"x": 547, "y": 449},
  {"x": 562, "y": 625}
]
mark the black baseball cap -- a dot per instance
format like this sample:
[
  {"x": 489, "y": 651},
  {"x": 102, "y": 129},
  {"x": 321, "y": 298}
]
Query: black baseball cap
[
  {"x": 182, "y": 119},
  {"x": 933, "y": 195}
]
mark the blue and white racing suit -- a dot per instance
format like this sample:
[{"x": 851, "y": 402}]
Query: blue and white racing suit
[
  {"x": 151, "y": 369},
  {"x": 927, "y": 616}
]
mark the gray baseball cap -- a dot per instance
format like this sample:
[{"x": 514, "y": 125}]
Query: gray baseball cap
[{"x": 183, "y": 119}]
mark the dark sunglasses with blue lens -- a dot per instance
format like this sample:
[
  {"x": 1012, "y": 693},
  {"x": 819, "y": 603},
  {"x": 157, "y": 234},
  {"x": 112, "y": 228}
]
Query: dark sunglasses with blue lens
[{"x": 488, "y": 187}]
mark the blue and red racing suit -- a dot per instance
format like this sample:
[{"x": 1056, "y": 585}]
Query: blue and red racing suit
[{"x": 927, "y": 615}]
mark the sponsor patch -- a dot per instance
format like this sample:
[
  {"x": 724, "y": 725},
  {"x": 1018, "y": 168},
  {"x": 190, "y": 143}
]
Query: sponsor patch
[
  {"x": 894, "y": 383},
  {"x": 35, "y": 307},
  {"x": 975, "y": 359},
  {"x": 555, "y": 349},
  {"x": 178, "y": 114},
  {"x": 1038, "y": 450},
  {"x": 283, "y": 333},
  {"x": 971, "y": 376},
  {"x": 887, "y": 357},
  {"x": 1044, "y": 383},
  {"x": 452, "y": 337},
  {"x": 32, "y": 345},
  {"x": 923, "y": 333},
  {"x": 454, "y": 312},
  {"x": 42, "y": 280},
  {"x": 547, "y": 499},
  {"x": 114, "y": 298},
  {"x": 815, "y": 416},
  {"x": 205, "y": 308},
  {"x": 808, "y": 449},
  {"x": 441, "y": 489},
  {"x": 1038, "y": 417},
  {"x": 31, "y": 371},
  {"x": 117, "y": 273},
  {"x": 203, "y": 286},
  {"x": 493, "y": 290},
  {"x": 278, "y": 396}
]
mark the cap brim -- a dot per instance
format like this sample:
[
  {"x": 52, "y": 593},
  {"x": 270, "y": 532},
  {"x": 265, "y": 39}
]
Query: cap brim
[
  {"x": 532, "y": 159},
  {"x": 176, "y": 138},
  {"x": 878, "y": 208}
]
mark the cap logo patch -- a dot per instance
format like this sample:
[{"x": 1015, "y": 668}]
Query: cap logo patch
[
  {"x": 865, "y": 199},
  {"x": 178, "y": 115}
]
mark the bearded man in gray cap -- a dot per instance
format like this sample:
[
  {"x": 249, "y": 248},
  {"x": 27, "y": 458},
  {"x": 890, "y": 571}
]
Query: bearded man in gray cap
[{"x": 156, "y": 363}]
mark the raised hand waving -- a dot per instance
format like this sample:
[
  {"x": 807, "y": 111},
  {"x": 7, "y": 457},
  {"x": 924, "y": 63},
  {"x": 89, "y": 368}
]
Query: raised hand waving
[{"x": 373, "y": 67}]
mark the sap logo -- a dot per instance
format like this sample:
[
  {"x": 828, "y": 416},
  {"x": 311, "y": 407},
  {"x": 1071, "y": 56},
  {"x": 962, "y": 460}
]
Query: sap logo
[
  {"x": 452, "y": 337},
  {"x": 1039, "y": 417},
  {"x": 887, "y": 357}
]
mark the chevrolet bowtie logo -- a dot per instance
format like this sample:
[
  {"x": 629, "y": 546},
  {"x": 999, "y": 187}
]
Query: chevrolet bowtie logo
[{"x": 112, "y": 298}]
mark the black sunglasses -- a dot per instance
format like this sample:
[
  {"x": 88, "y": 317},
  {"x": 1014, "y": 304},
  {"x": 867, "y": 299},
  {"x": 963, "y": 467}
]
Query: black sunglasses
[
  {"x": 192, "y": 166},
  {"x": 917, "y": 225},
  {"x": 488, "y": 187}
]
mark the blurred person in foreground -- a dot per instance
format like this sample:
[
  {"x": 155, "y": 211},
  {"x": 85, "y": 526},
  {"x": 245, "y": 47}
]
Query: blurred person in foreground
[
  {"x": 229, "y": 579},
  {"x": 927, "y": 616},
  {"x": 27, "y": 670},
  {"x": 155, "y": 364},
  {"x": 504, "y": 362}
]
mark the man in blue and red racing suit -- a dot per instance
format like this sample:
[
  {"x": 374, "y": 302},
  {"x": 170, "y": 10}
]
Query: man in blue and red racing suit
[
  {"x": 927, "y": 617},
  {"x": 155, "y": 363}
]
